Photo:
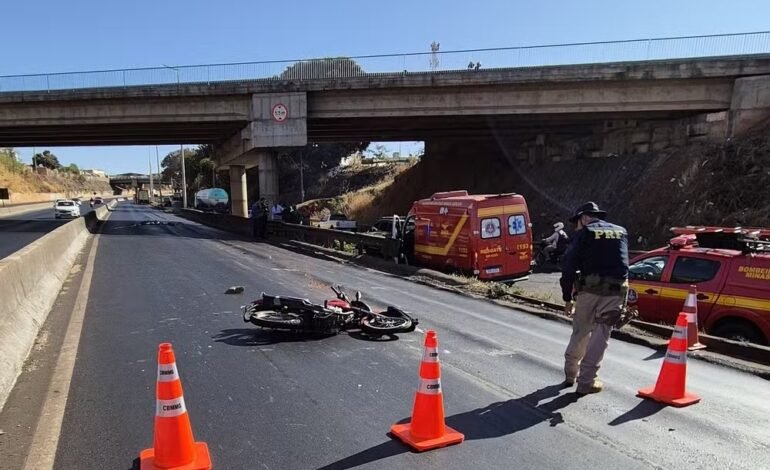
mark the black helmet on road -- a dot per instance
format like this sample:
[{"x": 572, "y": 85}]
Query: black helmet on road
[{"x": 589, "y": 207}]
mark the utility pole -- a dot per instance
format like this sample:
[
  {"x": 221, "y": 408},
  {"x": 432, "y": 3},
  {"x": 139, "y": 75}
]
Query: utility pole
[
  {"x": 149, "y": 160},
  {"x": 34, "y": 167},
  {"x": 301, "y": 178},
  {"x": 160, "y": 178},
  {"x": 184, "y": 178}
]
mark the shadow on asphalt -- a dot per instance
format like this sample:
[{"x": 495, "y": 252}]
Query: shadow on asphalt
[
  {"x": 495, "y": 420},
  {"x": 372, "y": 454},
  {"x": 508, "y": 417},
  {"x": 643, "y": 409},
  {"x": 262, "y": 337},
  {"x": 657, "y": 354},
  {"x": 160, "y": 228},
  {"x": 364, "y": 337},
  {"x": 31, "y": 225}
]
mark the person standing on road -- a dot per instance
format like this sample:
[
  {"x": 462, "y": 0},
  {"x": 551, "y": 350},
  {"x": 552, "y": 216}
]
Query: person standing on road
[
  {"x": 599, "y": 252},
  {"x": 259, "y": 218},
  {"x": 276, "y": 211}
]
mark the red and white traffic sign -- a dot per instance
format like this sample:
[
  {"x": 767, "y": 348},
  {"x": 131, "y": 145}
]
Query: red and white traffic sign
[{"x": 280, "y": 112}]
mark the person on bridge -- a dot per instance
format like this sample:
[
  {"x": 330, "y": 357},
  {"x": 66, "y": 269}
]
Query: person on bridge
[
  {"x": 556, "y": 243},
  {"x": 599, "y": 251}
]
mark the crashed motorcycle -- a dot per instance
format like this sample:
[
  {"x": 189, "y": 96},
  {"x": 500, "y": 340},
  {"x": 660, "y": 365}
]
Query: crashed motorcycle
[{"x": 339, "y": 314}]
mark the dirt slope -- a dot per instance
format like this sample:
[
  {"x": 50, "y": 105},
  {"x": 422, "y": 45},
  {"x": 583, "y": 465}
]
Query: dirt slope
[{"x": 718, "y": 184}]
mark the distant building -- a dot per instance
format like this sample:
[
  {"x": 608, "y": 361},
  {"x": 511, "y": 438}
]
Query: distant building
[{"x": 94, "y": 172}]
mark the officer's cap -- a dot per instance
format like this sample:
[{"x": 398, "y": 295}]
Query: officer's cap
[{"x": 589, "y": 207}]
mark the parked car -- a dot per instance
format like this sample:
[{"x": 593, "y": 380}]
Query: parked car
[
  {"x": 338, "y": 222},
  {"x": 66, "y": 208},
  {"x": 98, "y": 200},
  {"x": 731, "y": 270}
]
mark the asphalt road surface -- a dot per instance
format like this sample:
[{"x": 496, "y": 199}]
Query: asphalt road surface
[
  {"x": 279, "y": 401},
  {"x": 18, "y": 231}
]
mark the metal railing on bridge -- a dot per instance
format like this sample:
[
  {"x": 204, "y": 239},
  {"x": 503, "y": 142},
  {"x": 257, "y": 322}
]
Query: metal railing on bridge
[{"x": 419, "y": 62}]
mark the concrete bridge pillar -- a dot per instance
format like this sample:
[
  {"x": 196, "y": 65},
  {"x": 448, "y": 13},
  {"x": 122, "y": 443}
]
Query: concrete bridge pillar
[
  {"x": 238, "y": 190},
  {"x": 268, "y": 175},
  {"x": 750, "y": 105}
]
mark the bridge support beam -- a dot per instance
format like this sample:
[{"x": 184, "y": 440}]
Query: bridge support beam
[
  {"x": 238, "y": 191},
  {"x": 750, "y": 106},
  {"x": 268, "y": 175}
]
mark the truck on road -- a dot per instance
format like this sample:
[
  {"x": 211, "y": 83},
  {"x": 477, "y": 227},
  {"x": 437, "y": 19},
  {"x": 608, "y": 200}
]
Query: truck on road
[
  {"x": 143, "y": 196},
  {"x": 337, "y": 222}
]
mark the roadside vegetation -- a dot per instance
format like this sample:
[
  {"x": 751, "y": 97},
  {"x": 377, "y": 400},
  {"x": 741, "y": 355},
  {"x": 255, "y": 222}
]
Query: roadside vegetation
[{"x": 56, "y": 178}]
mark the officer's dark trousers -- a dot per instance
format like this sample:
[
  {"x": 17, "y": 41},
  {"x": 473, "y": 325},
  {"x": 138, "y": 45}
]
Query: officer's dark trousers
[{"x": 589, "y": 340}]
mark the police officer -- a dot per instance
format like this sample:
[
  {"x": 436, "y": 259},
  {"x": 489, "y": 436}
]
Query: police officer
[{"x": 595, "y": 266}]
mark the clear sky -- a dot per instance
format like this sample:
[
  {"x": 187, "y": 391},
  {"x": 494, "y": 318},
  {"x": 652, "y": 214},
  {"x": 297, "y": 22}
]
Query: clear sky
[{"x": 54, "y": 36}]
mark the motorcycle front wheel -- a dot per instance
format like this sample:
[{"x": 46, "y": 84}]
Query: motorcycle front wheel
[
  {"x": 377, "y": 325},
  {"x": 278, "y": 320}
]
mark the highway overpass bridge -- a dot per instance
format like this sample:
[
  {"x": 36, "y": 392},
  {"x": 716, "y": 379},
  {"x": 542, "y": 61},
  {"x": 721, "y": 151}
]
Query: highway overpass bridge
[{"x": 250, "y": 121}]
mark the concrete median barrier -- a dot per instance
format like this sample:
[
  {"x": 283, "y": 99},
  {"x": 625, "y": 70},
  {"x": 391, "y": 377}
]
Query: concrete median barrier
[
  {"x": 24, "y": 208},
  {"x": 30, "y": 280},
  {"x": 226, "y": 222}
]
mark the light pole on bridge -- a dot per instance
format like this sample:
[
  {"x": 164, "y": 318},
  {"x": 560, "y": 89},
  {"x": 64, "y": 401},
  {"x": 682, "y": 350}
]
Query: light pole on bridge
[{"x": 181, "y": 147}]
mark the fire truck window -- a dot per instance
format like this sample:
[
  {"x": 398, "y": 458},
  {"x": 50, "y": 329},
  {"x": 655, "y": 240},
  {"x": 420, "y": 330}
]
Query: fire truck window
[
  {"x": 490, "y": 228},
  {"x": 516, "y": 225},
  {"x": 693, "y": 270},
  {"x": 648, "y": 269}
]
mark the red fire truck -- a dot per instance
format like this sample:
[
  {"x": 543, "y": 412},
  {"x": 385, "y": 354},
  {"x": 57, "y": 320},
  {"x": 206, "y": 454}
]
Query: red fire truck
[
  {"x": 488, "y": 235},
  {"x": 730, "y": 267}
]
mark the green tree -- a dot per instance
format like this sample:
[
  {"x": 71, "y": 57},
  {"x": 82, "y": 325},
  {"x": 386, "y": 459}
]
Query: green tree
[
  {"x": 333, "y": 67},
  {"x": 71, "y": 168},
  {"x": 317, "y": 160},
  {"x": 47, "y": 160},
  {"x": 379, "y": 152},
  {"x": 199, "y": 168}
]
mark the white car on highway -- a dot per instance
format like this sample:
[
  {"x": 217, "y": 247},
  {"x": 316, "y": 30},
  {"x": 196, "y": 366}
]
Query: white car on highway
[{"x": 66, "y": 208}]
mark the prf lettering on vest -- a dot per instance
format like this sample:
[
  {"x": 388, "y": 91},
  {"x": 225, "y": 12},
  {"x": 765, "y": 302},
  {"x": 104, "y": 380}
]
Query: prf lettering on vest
[{"x": 614, "y": 234}]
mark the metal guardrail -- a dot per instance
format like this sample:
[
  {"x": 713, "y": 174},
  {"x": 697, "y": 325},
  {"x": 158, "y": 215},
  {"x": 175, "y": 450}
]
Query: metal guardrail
[
  {"x": 387, "y": 64},
  {"x": 329, "y": 238}
]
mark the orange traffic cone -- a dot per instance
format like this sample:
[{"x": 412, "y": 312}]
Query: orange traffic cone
[
  {"x": 427, "y": 429},
  {"x": 174, "y": 446},
  {"x": 671, "y": 385},
  {"x": 691, "y": 309}
]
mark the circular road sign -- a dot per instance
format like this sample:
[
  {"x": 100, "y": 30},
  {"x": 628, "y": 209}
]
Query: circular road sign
[{"x": 280, "y": 112}]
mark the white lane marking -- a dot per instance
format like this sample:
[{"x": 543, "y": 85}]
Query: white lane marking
[{"x": 42, "y": 452}]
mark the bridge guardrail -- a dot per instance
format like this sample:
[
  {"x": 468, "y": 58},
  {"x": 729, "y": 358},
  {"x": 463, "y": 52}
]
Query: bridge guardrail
[
  {"x": 329, "y": 238},
  {"x": 685, "y": 47},
  {"x": 386, "y": 247}
]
